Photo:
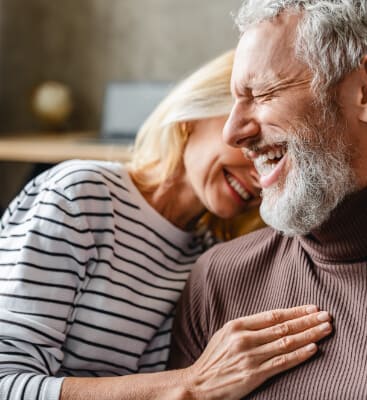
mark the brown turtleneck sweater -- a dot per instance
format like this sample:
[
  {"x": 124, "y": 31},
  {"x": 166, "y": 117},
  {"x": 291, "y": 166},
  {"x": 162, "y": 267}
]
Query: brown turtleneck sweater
[{"x": 265, "y": 270}]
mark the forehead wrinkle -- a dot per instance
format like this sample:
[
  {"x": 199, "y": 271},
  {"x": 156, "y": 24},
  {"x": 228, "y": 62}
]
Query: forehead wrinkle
[
  {"x": 276, "y": 79},
  {"x": 271, "y": 82},
  {"x": 268, "y": 81},
  {"x": 288, "y": 83}
]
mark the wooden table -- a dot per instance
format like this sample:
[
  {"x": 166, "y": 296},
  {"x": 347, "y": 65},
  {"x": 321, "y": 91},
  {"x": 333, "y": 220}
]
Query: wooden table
[{"x": 54, "y": 147}]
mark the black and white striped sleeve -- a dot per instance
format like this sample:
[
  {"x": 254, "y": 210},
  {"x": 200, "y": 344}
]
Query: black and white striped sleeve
[{"x": 45, "y": 249}]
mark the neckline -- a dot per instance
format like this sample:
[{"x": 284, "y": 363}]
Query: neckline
[{"x": 343, "y": 237}]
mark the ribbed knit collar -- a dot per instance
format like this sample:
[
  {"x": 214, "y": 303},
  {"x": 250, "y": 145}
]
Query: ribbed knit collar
[{"x": 343, "y": 238}]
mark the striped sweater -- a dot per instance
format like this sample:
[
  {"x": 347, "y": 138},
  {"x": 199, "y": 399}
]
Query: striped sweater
[
  {"x": 265, "y": 270},
  {"x": 89, "y": 278}
]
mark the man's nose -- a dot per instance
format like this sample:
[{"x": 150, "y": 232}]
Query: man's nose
[{"x": 240, "y": 129}]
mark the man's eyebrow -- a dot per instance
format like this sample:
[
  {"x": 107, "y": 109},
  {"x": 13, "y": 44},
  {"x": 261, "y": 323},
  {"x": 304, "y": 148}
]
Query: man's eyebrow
[
  {"x": 250, "y": 91},
  {"x": 269, "y": 86},
  {"x": 240, "y": 88},
  {"x": 269, "y": 83},
  {"x": 252, "y": 83}
]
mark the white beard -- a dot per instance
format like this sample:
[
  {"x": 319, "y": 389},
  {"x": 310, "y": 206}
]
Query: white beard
[{"x": 320, "y": 176}]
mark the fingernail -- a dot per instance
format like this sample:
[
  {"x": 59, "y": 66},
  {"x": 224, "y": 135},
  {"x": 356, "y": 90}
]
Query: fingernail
[
  {"x": 325, "y": 327},
  {"x": 311, "y": 347},
  {"x": 311, "y": 309},
  {"x": 323, "y": 316}
]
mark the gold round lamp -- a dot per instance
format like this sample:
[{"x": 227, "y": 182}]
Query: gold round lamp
[{"x": 52, "y": 104}]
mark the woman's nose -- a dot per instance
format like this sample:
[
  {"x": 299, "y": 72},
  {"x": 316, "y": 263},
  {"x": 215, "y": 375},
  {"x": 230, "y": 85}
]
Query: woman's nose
[{"x": 239, "y": 128}]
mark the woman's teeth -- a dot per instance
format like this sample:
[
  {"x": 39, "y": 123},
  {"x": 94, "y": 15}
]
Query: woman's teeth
[{"x": 236, "y": 186}]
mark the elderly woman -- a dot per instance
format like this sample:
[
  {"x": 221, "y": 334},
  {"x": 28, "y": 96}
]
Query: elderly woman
[{"x": 94, "y": 256}]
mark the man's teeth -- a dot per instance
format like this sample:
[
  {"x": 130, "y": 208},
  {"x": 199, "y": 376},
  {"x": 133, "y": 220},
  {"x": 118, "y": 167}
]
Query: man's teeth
[
  {"x": 278, "y": 153},
  {"x": 262, "y": 164},
  {"x": 238, "y": 188},
  {"x": 272, "y": 154}
]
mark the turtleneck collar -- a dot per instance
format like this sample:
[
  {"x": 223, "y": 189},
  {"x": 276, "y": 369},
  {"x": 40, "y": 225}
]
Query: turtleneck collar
[{"x": 343, "y": 237}]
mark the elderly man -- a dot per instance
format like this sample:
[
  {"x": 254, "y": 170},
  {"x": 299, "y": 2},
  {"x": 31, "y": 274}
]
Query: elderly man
[{"x": 300, "y": 88}]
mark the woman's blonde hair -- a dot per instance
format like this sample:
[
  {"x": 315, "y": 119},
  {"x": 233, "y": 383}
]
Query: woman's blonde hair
[
  {"x": 161, "y": 140},
  {"x": 160, "y": 143}
]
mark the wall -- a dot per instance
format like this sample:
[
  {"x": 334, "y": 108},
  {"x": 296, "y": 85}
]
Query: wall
[{"x": 86, "y": 43}]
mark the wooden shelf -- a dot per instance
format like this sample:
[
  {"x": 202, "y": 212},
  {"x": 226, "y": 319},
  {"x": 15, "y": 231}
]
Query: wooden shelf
[{"x": 53, "y": 147}]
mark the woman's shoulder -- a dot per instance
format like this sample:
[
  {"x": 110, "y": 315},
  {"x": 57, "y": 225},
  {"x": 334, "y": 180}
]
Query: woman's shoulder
[
  {"x": 76, "y": 177},
  {"x": 75, "y": 181},
  {"x": 61, "y": 191},
  {"x": 74, "y": 171}
]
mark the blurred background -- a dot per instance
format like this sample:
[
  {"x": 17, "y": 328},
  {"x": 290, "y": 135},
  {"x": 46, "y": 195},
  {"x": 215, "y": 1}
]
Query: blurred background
[{"x": 84, "y": 44}]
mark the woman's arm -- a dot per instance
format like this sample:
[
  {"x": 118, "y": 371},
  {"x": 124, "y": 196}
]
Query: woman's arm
[
  {"x": 168, "y": 385},
  {"x": 239, "y": 358},
  {"x": 44, "y": 254}
]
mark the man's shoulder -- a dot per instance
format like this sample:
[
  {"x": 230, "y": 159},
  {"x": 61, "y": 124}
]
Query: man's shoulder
[
  {"x": 256, "y": 238},
  {"x": 260, "y": 241},
  {"x": 254, "y": 250}
]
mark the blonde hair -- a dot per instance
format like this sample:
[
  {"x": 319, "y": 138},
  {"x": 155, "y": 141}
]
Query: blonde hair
[{"x": 160, "y": 142}]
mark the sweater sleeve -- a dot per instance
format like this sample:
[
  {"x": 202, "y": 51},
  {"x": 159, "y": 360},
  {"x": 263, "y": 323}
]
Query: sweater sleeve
[
  {"x": 190, "y": 329},
  {"x": 45, "y": 248}
]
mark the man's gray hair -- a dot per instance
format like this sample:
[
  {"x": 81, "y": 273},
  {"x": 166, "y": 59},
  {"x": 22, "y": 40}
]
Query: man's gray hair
[{"x": 331, "y": 36}]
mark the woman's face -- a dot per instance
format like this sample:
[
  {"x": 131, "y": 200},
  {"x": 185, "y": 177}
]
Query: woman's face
[{"x": 223, "y": 180}]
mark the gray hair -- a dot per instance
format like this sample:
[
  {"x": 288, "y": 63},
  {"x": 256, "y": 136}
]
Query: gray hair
[{"x": 331, "y": 36}]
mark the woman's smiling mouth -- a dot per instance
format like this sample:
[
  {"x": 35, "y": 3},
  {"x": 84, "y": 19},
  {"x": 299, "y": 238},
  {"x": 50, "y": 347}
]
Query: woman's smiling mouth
[{"x": 238, "y": 187}]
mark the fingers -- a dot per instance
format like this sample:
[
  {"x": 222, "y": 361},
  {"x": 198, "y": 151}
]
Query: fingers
[
  {"x": 290, "y": 343},
  {"x": 291, "y": 327},
  {"x": 287, "y": 361},
  {"x": 274, "y": 317},
  {"x": 249, "y": 350}
]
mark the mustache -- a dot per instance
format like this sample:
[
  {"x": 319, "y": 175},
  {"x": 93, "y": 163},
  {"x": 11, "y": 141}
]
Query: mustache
[{"x": 256, "y": 147}]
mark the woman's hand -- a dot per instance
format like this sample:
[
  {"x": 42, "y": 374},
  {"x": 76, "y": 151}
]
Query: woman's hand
[
  {"x": 249, "y": 350},
  {"x": 239, "y": 358}
]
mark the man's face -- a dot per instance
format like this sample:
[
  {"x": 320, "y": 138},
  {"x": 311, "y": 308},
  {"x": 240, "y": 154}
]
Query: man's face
[{"x": 299, "y": 144}]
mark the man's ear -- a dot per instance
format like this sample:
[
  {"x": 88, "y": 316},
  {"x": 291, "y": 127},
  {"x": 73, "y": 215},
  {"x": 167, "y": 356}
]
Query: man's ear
[{"x": 362, "y": 116}]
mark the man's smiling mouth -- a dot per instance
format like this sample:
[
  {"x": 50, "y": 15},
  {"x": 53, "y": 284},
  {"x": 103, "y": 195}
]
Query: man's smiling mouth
[{"x": 269, "y": 162}]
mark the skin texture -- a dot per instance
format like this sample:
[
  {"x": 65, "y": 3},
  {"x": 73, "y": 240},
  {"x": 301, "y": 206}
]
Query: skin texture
[
  {"x": 272, "y": 89},
  {"x": 239, "y": 357},
  {"x": 201, "y": 182}
]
